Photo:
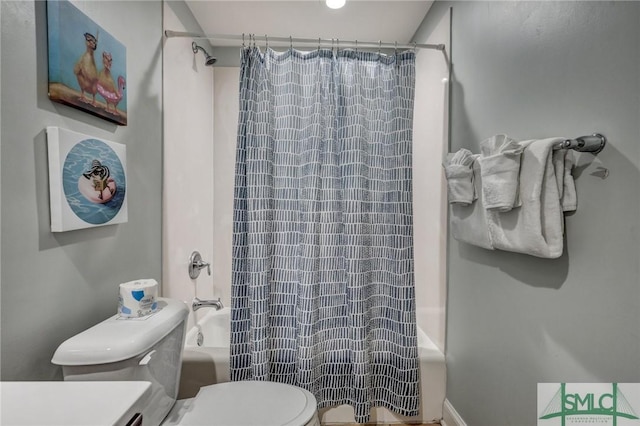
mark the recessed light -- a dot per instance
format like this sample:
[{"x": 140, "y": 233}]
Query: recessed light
[{"x": 335, "y": 4}]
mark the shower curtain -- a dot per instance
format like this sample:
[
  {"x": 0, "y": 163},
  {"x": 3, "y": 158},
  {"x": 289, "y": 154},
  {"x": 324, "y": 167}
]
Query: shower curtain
[{"x": 322, "y": 287}]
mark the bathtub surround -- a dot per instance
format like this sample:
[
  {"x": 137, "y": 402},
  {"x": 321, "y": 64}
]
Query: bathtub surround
[
  {"x": 528, "y": 69},
  {"x": 188, "y": 186},
  {"x": 431, "y": 143},
  {"x": 322, "y": 288}
]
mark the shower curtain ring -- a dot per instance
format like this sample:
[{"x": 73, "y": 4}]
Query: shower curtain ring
[
  {"x": 395, "y": 47},
  {"x": 356, "y": 46},
  {"x": 266, "y": 41},
  {"x": 379, "y": 46},
  {"x": 318, "y": 43},
  {"x": 242, "y": 39},
  {"x": 290, "y": 43}
]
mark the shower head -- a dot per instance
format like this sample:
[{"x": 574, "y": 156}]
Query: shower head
[{"x": 208, "y": 59}]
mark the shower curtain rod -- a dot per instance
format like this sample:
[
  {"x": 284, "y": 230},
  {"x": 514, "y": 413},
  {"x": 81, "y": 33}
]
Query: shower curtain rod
[{"x": 250, "y": 38}]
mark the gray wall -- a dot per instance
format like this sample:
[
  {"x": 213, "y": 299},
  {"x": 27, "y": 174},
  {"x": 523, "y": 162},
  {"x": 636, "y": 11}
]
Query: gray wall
[
  {"x": 55, "y": 285},
  {"x": 534, "y": 70}
]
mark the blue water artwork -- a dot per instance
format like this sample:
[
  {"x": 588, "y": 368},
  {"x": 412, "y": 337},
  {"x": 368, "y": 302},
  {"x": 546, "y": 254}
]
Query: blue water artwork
[{"x": 94, "y": 181}]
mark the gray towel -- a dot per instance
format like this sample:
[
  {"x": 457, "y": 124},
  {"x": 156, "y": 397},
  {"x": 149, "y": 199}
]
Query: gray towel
[
  {"x": 500, "y": 168},
  {"x": 458, "y": 170},
  {"x": 536, "y": 228},
  {"x": 469, "y": 222}
]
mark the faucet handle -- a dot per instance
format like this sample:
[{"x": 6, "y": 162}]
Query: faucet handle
[
  {"x": 202, "y": 264},
  {"x": 196, "y": 264}
]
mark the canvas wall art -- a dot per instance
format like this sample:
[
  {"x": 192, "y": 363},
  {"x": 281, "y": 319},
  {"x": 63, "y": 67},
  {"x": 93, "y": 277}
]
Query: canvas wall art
[
  {"x": 87, "y": 65},
  {"x": 87, "y": 181}
]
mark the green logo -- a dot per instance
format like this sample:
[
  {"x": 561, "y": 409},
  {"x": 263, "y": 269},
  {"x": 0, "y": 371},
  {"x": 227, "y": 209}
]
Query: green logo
[{"x": 588, "y": 405}]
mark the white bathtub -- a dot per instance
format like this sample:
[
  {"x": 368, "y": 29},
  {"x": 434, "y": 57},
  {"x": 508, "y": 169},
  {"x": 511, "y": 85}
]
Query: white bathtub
[{"x": 208, "y": 363}]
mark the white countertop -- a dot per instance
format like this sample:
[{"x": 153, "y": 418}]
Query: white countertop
[{"x": 71, "y": 403}]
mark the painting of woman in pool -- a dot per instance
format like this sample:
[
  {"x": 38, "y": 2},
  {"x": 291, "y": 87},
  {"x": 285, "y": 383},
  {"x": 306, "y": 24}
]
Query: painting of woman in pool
[{"x": 96, "y": 184}]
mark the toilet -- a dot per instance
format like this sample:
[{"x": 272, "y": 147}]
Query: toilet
[{"x": 150, "y": 349}]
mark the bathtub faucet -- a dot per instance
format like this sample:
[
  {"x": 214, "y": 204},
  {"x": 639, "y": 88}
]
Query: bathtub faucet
[{"x": 197, "y": 304}]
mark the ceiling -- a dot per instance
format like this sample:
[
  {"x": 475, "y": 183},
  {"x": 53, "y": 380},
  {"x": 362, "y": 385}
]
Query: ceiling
[{"x": 388, "y": 21}]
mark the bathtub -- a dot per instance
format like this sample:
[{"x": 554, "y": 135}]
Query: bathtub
[{"x": 205, "y": 361}]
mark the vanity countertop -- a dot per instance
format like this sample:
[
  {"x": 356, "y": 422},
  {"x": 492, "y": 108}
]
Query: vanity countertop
[{"x": 71, "y": 403}]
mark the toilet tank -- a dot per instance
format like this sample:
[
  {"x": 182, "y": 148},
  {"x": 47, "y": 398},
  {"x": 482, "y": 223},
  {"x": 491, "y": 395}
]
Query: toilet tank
[{"x": 140, "y": 349}]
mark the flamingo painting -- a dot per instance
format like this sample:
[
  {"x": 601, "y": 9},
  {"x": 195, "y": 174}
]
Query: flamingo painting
[
  {"x": 85, "y": 73},
  {"x": 106, "y": 87},
  {"x": 112, "y": 98}
]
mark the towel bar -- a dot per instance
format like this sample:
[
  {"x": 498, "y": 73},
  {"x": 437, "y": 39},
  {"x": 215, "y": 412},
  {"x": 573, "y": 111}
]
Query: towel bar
[{"x": 593, "y": 143}]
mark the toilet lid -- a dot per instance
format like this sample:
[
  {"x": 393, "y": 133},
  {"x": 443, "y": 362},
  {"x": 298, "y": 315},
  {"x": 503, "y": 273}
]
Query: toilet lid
[{"x": 251, "y": 403}]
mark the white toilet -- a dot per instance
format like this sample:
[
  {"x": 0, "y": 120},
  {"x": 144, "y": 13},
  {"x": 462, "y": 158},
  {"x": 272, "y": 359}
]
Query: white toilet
[{"x": 150, "y": 349}]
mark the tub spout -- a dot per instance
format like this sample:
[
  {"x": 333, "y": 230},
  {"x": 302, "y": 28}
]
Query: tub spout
[{"x": 197, "y": 304}]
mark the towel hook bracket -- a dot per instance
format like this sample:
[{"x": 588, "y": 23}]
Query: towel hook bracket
[{"x": 593, "y": 143}]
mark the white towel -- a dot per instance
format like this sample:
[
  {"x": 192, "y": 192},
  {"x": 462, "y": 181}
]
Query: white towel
[
  {"x": 469, "y": 222},
  {"x": 500, "y": 167},
  {"x": 536, "y": 228},
  {"x": 568, "y": 196},
  {"x": 458, "y": 170}
]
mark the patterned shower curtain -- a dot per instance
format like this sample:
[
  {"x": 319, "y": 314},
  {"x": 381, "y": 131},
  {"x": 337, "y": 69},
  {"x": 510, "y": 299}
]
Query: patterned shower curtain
[{"x": 323, "y": 288}]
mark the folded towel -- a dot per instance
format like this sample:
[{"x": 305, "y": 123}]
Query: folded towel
[
  {"x": 500, "y": 168},
  {"x": 468, "y": 222},
  {"x": 563, "y": 162},
  {"x": 459, "y": 173},
  {"x": 536, "y": 228}
]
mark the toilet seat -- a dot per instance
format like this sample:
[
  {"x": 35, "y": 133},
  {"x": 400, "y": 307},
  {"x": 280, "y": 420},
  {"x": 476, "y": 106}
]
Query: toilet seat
[{"x": 247, "y": 403}]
